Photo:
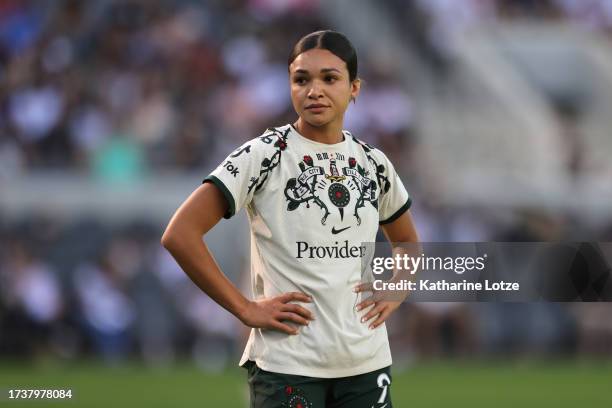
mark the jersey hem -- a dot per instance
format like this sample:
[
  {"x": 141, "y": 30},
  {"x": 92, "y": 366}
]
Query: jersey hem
[
  {"x": 326, "y": 373},
  {"x": 228, "y": 196},
  {"x": 398, "y": 213}
]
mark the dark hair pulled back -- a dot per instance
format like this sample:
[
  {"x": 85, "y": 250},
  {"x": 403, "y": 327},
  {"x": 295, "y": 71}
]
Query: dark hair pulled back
[{"x": 330, "y": 40}]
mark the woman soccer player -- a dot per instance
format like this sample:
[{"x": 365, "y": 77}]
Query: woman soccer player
[{"x": 313, "y": 193}]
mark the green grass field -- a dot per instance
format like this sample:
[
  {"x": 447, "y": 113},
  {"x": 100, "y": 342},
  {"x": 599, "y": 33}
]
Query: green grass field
[{"x": 450, "y": 384}]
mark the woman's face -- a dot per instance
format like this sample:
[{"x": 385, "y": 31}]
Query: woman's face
[{"x": 320, "y": 87}]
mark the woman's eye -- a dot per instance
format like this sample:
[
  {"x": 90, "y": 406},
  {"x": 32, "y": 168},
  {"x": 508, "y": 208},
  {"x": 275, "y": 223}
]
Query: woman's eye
[
  {"x": 300, "y": 81},
  {"x": 330, "y": 79}
]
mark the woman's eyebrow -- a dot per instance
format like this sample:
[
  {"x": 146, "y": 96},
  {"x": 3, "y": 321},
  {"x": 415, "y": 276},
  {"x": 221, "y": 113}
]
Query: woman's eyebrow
[{"x": 323, "y": 70}]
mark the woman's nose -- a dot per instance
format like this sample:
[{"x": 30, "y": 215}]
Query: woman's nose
[{"x": 315, "y": 90}]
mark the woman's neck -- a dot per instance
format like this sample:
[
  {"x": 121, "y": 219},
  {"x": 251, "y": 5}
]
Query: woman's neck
[{"x": 328, "y": 134}]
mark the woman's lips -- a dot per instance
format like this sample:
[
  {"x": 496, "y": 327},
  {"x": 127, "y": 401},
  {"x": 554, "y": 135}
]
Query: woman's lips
[{"x": 316, "y": 109}]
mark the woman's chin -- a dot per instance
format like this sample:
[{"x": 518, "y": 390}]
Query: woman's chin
[{"x": 317, "y": 121}]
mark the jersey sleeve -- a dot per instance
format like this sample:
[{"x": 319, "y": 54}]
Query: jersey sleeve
[
  {"x": 243, "y": 173},
  {"x": 393, "y": 200}
]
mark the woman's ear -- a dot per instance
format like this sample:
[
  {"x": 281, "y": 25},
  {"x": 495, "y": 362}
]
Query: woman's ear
[{"x": 355, "y": 87}]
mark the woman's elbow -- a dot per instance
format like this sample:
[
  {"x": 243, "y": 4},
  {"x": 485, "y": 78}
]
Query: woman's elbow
[
  {"x": 169, "y": 239},
  {"x": 179, "y": 236}
]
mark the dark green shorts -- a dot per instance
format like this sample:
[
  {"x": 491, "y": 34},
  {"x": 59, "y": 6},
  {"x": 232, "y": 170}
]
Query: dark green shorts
[{"x": 273, "y": 390}]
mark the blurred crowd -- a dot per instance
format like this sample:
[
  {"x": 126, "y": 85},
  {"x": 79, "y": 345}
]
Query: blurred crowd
[
  {"x": 82, "y": 288},
  {"x": 123, "y": 89},
  {"x": 120, "y": 89}
]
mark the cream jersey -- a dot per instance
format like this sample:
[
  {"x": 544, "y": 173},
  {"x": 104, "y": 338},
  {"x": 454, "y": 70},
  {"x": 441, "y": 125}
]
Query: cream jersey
[{"x": 310, "y": 207}]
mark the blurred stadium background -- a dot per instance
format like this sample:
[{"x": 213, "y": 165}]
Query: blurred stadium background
[{"x": 497, "y": 113}]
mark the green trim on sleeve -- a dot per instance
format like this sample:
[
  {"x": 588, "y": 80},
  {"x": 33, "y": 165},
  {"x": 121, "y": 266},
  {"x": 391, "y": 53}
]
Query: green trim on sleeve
[
  {"x": 398, "y": 213},
  {"x": 228, "y": 196}
]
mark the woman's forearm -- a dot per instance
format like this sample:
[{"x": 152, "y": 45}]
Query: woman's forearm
[{"x": 194, "y": 257}]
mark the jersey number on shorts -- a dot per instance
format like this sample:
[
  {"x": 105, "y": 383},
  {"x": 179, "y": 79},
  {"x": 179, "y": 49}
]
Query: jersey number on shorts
[{"x": 383, "y": 382}]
